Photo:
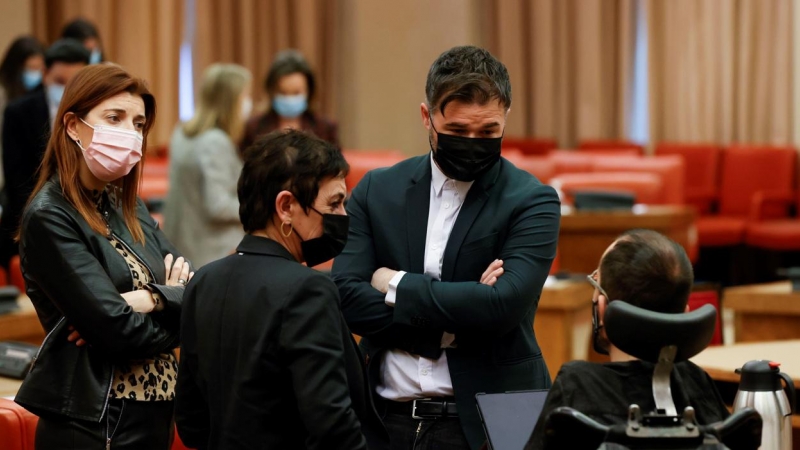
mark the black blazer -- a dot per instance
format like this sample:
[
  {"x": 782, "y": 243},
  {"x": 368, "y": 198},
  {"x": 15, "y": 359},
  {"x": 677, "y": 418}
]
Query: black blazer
[
  {"x": 507, "y": 214},
  {"x": 267, "y": 360},
  {"x": 26, "y": 130}
]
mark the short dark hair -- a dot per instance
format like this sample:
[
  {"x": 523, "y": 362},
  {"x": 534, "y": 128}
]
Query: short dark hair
[
  {"x": 13, "y": 64},
  {"x": 80, "y": 29},
  {"x": 284, "y": 160},
  {"x": 468, "y": 74},
  {"x": 285, "y": 63},
  {"x": 648, "y": 270},
  {"x": 68, "y": 51}
]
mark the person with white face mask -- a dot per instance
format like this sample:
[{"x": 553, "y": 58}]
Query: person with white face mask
[
  {"x": 86, "y": 32},
  {"x": 26, "y": 127},
  {"x": 290, "y": 86},
  {"x": 20, "y": 74},
  {"x": 201, "y": 214},
  {"x": 106, "y": 283}
]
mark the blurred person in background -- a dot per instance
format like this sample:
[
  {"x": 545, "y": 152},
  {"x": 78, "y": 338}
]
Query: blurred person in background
[
  {"x": 106, "y": 284},
  {"x": 201, "y": 215},
  {"x": 290, "y": 87},
  {"x": 85, "y": 31},
  {"x": 20, "y": 72},
  {"x": 26, "y": 128}
]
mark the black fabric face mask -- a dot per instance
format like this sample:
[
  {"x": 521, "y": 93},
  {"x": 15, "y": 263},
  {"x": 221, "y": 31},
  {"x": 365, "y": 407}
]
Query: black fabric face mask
[
  {"x": 330, "y": 244},
  {"x": 599, "y": 343},
  {"x": 465, "y": 159}
]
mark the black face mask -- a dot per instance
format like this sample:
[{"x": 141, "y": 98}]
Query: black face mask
[
  {"x": 465, "y": 159},
  {"x": 330, "y": 244},
  {"x": 599, "y": 343}
]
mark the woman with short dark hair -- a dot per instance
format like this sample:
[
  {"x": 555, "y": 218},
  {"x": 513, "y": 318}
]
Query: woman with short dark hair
[
  {"x": 291, "y": 86},
  {"x": 101, "y": 276},
  {"x": 267, "y": 360}
]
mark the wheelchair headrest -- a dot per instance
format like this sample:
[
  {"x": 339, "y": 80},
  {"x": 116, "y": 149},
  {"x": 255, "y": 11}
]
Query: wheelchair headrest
[{"x": 642, "y": 333}]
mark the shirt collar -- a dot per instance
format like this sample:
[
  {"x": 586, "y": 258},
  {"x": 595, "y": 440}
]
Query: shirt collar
[{"x": 438, "y": 179}]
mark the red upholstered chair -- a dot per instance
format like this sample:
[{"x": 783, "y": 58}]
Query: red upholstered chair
[
  {"x": 15, "y": 273},
  {"x": 567, "y": 161},
  {"x": 702, "y": 171},
  {"x": 756, "y": 182},
  {"x": 773, "y": 234},
  {"x": 154, "y": 187},
  {"x": 646, "y": 187},
  {"x": 362, "y": 161},
  {"x": 542, "y": 167},
  {"x": 710, "y": 297},
  {"x": 3, "y": 277},
  {"x": 177, "y": 444},
  {"x": 571, "y": 161},
  {"x": 155, "y": 167},
  {"x": 671, "y": 169},
  {"x": 17, "y": 426},
  {"x": 530, "y": 146},
  {"x": 592, "y": 145}
]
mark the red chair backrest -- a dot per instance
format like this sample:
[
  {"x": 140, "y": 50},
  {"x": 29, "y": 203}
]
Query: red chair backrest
[
  {"x": 671, "y": 169},
  {"x": 542, "y": 167},
  {"x": 647, "y": 187},
  {"x": 17, "y": 427},
  {"x": 700, "y": 298},
  {"x": 591, "y": 145},
  {"x": 746, "y": 170},
  {"x": 568, "y": 161},
  {"x": 362, "y": 161},
  {"x": 701, "y": 163},
  {"x": 530, "y": 146}
]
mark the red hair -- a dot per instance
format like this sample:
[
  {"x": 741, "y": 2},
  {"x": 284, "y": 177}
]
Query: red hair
[{"x": 91, "y": 86}]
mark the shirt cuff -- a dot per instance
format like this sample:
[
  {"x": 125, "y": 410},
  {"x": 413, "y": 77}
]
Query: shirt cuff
[{"x": 391, "y": 293}]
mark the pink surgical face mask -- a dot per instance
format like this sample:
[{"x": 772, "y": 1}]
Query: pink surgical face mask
[{"x": 113, "y": 152}]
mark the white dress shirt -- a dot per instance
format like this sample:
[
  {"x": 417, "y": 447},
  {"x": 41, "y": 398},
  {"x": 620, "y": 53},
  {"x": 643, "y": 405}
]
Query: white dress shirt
[{"x": 405, "y": 376}]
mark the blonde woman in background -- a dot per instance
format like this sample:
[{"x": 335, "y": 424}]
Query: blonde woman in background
[{"x": 201, "y": 215}]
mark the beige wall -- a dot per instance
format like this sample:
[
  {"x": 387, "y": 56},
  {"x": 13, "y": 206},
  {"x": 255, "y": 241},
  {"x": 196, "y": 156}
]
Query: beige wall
[
  {"x": 387, "y": 48},
  {"x": 15, "y": 19}
]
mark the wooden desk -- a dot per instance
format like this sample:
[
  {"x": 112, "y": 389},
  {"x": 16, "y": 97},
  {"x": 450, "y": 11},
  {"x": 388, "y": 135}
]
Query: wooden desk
[
  {"x": 22, "y": 325},
  {"x": 563, "y": 322},
  {"x": 585, "y": 235},
  {"x": 764, "y": 312},
  {"x": 721, "y": 362},
  {"x": 9, "y": 386}
]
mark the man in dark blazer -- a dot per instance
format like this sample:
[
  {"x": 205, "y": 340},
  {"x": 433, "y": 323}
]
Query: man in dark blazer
[
  {"x": 26, "y": 130},
  {"x": 445, "y": 261}
]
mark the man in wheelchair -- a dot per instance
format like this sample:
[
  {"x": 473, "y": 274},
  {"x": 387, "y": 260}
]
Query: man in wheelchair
[{"x": 648, "y": 270}]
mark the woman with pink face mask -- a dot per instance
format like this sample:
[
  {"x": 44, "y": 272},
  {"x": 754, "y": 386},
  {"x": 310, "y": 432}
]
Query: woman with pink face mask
[{"x": 106, "y": 283}]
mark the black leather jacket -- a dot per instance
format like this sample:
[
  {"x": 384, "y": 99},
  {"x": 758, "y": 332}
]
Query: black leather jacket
[{"x": 74, "y": 276}]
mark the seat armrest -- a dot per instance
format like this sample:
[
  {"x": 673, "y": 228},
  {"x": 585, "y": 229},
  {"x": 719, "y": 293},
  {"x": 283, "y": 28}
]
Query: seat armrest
[
  {"x": 568, "y": 428},
  {"x": 740, "y": 431},
  {"x": 762, "y": 199}
]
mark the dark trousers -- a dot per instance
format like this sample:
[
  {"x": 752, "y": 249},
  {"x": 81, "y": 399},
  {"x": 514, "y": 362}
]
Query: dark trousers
[
  {"x": 407, "y": 433},
  {"x": 129, "y": 425}
]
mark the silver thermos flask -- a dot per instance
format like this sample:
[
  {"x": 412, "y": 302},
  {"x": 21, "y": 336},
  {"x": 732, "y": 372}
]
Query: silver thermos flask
[{"x": 760, "y": 388}]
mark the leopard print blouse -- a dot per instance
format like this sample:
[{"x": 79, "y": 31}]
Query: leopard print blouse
[{"x": 146, "y": 379}]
